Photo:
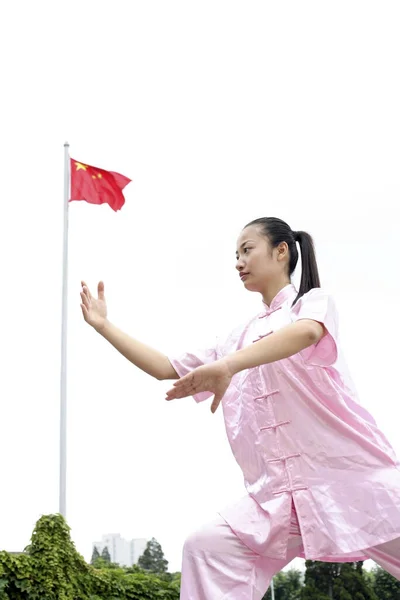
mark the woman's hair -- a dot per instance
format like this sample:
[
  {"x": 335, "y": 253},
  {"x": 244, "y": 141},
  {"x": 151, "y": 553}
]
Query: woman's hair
[{"x": 277, "y": 231}]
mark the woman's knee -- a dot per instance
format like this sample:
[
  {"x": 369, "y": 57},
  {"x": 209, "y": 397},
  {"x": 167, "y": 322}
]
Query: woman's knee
[
  {"x": 215, "y": 537},
  {"x": 203, "y": 538}
]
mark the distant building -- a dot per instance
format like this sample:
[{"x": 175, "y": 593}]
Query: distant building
[
  {"x": 123, "y": 552},
  {"x": 137, "y": 547}
]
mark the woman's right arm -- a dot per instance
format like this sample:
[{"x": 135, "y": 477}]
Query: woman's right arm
[{"x": 144, "y": 357}]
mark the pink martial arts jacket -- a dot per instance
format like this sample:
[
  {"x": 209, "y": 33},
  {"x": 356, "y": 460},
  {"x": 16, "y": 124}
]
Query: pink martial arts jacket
[{"x": 301, "y": 437}]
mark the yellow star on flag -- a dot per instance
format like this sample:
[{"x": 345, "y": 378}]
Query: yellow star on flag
[{"x": 80, "y": 166}]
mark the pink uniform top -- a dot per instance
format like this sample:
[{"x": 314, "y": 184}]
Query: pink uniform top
[{"x": 301, "y": 437}]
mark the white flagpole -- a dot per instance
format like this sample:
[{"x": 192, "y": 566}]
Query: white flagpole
[
  {"x": 272, "y": 590},
  {"x": 63, "y": 381}
]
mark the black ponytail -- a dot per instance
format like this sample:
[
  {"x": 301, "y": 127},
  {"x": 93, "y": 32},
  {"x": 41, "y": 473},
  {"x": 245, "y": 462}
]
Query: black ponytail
[
  {"x": 309, "y": 269},
  {"x": 277, "y": 231}
]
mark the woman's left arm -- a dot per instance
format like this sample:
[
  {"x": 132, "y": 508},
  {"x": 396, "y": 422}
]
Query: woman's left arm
[
  {"x": 217, "y": 376},
  {"x": 281, "y": 344}
]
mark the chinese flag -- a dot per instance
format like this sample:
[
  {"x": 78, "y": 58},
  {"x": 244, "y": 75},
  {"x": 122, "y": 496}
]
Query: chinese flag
[{"x": 97, "y": 186}]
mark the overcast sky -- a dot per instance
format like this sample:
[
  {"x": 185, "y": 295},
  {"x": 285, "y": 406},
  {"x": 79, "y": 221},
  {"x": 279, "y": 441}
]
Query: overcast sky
[{"x": 220, "y": 112}]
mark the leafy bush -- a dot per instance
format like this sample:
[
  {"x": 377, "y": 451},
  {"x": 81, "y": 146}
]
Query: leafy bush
[{"x": 50, "y": 568}]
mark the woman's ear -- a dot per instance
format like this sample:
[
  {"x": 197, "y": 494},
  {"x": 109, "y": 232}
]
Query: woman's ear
[{"x": 282, "y": 251}]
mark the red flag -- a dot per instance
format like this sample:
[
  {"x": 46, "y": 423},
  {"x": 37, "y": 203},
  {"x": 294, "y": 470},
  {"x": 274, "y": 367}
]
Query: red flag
[{"x": 97, "y": 186}]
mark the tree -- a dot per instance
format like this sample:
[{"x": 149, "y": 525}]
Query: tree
[
  {"x": 105, "y": 555},
  {"x": 336, "y": 581},
  {"x": 153, "y": 559},
  {"x": 95, "y": 555},
  {"x": 319, "y": 579},
  {"x": 287, "y": 586},
  {"x": 351, "y": 584},
  {"x": 385, "y": 586}
]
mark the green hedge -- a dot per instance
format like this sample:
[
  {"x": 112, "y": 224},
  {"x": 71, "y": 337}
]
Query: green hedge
[{"x": 51, "y": 569}]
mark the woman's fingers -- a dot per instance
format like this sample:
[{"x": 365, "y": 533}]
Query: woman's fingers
[
  {"x": 176, "y": 393},
  {"x": 185, "y": 381},
  {"x": 100, "y": 290},
  {"x": 215, "y": 403},
  {"x": 171, "y": 394},
  {"x": 186, "y": 387},
  {"x": 179, "y": 394},
  {"x": 84, "y": 312},
  {"x": 86, "y": 290},
  {"x": 85, "y": 299}
]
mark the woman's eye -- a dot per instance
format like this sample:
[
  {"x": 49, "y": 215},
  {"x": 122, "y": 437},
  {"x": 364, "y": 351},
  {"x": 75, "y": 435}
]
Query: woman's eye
[{"x": 245, "y": 251}]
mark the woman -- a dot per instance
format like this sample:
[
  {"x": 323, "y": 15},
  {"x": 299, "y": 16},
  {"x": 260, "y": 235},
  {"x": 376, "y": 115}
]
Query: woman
[{"x": 322, "y": 481}]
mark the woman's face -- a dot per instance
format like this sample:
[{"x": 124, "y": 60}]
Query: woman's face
[{"x": 258, "y": 264}]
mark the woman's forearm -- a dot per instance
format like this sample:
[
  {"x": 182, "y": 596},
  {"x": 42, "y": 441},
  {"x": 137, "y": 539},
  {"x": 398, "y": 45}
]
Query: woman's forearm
[
  {"x": 281, "y": 344},
  {"x": 144, "y": 357}
]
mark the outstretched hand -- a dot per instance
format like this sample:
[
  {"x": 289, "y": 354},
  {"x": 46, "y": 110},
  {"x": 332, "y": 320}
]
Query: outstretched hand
[
  {"x": 94, "y": 310},
  {"x": 214, "y": 378}
]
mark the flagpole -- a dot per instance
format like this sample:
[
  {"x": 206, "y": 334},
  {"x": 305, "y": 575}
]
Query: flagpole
[
  {"x": 63, "y": 379},
  {"x": 272, "y": 589}
]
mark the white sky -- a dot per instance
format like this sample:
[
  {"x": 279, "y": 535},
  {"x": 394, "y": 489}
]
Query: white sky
[{"x": 220, "y": 112}]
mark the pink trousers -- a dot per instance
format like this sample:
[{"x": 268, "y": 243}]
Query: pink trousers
[{"x": 218, "y": 566}]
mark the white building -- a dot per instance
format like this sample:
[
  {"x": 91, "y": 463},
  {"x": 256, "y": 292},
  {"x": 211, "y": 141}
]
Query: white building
[
  {"x": 123, "y": 552},
  {"x": 137, "y": 547}
]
